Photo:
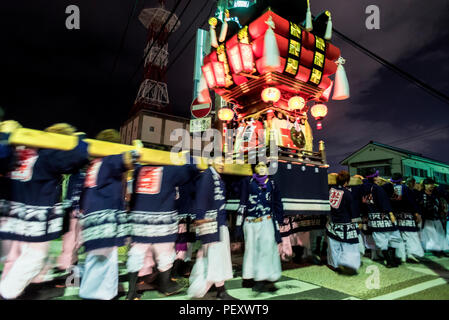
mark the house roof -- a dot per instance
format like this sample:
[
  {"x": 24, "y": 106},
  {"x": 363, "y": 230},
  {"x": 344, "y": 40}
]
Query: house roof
[{"x": 408, "y": 153}]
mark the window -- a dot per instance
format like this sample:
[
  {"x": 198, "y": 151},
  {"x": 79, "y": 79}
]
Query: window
[
  {"x": 151, "y": 129},
  {"x": 384, "y": 171}
]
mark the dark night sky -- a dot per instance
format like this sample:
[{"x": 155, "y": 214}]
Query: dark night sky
[{"x": 50, "y": 74}]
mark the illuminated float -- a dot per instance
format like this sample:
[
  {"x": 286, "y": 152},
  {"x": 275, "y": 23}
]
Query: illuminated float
[{"x": 273, "y": 71}]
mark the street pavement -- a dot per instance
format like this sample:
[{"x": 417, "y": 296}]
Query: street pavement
[{"x": 424, "y": 281}]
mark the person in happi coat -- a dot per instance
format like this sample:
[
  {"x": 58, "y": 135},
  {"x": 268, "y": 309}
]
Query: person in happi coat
[
  {"x": 104, "y": 222},
  {"x": 381, "y": 221},
  {"x": 406, "y": 211},
  {"x": 35, "y": 214},
  {"x": 433, "y": 235},
  {"x": 154, "y": 222},
  {"x": 354, "y": 186},
  {"x": 342, "y": 228},
  {"x": 186, "y": 231},
  {"x": 7, "y": 162},
  {"x": 213, "y": 265},
  {"x": 260, "y": 213}
]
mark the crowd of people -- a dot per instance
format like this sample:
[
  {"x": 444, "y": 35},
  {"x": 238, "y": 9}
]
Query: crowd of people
[
  {"x": 395, "y": 220},
  {"x": 160, "y": 212}
]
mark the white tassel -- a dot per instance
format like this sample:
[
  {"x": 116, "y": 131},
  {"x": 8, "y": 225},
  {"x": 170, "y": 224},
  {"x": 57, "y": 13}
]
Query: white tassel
[
  {"x": 224, "y": 31},
  {"x": 203, "y": 95},
  {"x": 309, "y": 25},
  {"x": 328, "y": 34},
  {"x": 341, "y": 91},
  {"x": 271, "y": 50}
]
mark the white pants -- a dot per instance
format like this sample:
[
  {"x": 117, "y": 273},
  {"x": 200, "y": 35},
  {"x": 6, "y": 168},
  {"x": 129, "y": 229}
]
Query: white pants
[
  {"x": 71, "y": 242},
  {"x": 343, "y": 254},
  {"x": 99, "y": 279},
  {"x": 213, "y": 265},
  {"x": 384, "y": 240},
  {"x": 433, "y": 237},
  {"x": 361, "y": 244},
  {"x": 412, "y": 244},
  {"x": 261, "y": 260},
  {"x": 142, "y": 252},
  {"x": 25, "y": 261}
]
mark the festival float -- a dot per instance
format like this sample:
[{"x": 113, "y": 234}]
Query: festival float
[{"x": 275, "y": 67}]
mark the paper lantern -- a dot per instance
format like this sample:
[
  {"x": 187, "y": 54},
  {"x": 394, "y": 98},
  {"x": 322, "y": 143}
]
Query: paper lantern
[
  {"x": 296, "y": 102},
  {"x": 271, "y": 94},
  {"x": 209, "y": 75},
  {"x": 225, "y": 114},
  {"x": 241, "y": 58},
  {"x": 219, "y": 72},
  {"x": 215, "y": 75},
  {"x": 319, "y": 111}
]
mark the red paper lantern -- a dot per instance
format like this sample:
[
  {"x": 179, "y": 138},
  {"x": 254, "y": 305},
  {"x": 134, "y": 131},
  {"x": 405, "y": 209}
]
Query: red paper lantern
[
  {"x": 215, "y": 74},
  {"x": 241, "y": 58},
  {"x": 219, "y": 72},
  {"x": 209, "y": 75}
]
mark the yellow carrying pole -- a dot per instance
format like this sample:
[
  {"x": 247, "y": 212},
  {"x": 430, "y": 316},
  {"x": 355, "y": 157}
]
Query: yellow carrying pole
[{"x": 46, "y": 140}]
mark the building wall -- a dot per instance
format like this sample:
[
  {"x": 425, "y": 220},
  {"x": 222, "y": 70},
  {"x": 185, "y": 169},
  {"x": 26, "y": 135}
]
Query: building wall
[
  {"x": 377, "y": 157},
  {"x": 374, "y": 156},
  {"x": 422, "y": 169}
]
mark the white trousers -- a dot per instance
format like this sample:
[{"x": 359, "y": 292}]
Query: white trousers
[
  {"x": 99, "y": 278},
  {"x": 433, "y": 237},
  {"x": 261, "y": 260},
  {"x": 383, "y": 240},
  {"x": 25, "y": 261},
  {"x": 71, "y": 242},
  {"x": 141, "y": 253},
  {"x": 213, "y": 265},
  {"x": 412, "y": 244},
  {"x": 343, "y": 254}
]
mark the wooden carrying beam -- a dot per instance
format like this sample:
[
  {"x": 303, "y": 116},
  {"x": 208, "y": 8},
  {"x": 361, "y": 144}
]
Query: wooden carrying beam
[{"x": 46, "y": 140}]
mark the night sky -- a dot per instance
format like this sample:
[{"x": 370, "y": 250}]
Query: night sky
[{"x": 51, "y": 74}]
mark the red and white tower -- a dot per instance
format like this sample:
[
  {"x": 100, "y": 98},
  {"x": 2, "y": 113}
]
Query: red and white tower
[
  {"x": 153, "y": 93},
  {"x": 149, "y": 120}
]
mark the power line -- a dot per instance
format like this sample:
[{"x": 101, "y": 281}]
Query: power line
[
  {"x": 191, "y": 23},
  {"x": 421, "y": 136},
  {"x": 190, "y": 41},
  {"x": 122, "y": 40},
  {"x": 161, "y": 30},
  {"x": 434, "y": 92}
]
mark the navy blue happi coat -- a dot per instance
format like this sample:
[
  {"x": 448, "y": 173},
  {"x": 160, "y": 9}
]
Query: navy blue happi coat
[
  {"x": 104, "y": 220},
  {"x": 33, "y": 211},
  {"x": 404, "y": 206},
  {"x": 377, "y": 204},
  {"x": 256, "y": 202},
  {"x": 209, "y": 204},
  {"x": 343, "y": 224},
  {"x": 154, "y": 207}
]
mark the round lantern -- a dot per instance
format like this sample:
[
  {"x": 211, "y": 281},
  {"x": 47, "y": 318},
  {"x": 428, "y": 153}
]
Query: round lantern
[
  {"x": 225, "y": 114},
  {"x": 271, "y": 94},
  {"x": 296, "y": 102},
  {"x": 319, "y": 111}
]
